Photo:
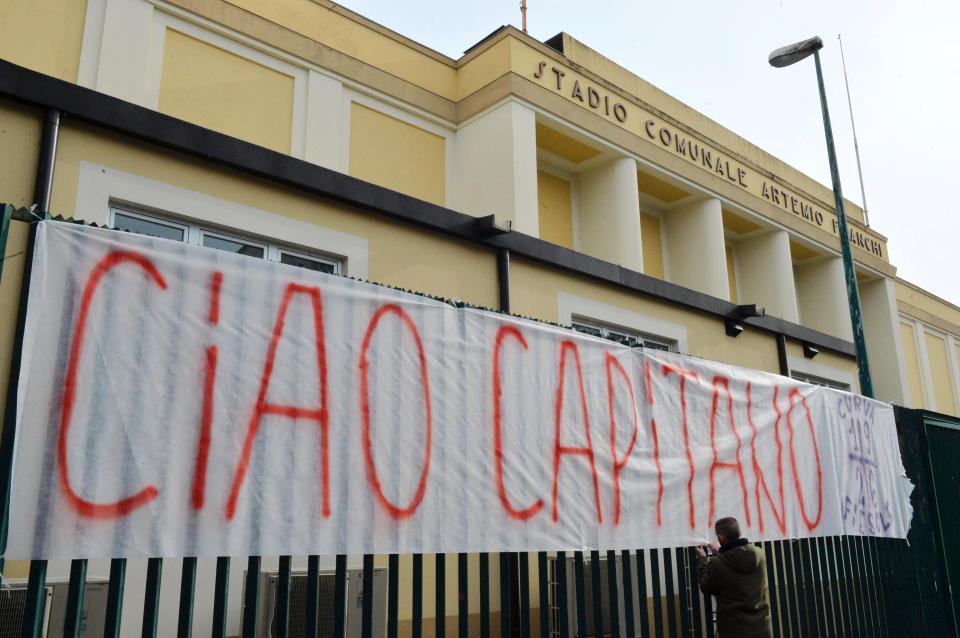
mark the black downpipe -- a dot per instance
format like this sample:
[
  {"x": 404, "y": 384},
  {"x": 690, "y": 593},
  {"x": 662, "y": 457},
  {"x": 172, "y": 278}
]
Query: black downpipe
[
  {"x": 503, "y": 278},
  {"x": 45, "y": 163},
  {"x": 782, "y": 355}
]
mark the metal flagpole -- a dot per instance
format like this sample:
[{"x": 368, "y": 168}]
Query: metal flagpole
[{"x": 856, "y": 146}]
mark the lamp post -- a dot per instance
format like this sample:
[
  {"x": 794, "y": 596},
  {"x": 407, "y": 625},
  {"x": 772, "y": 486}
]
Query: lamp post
[{"x": 785, "y": 56}]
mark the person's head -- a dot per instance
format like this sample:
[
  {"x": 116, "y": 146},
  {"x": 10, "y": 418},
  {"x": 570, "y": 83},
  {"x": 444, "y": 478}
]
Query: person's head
[{"x": 727, "y": 529}]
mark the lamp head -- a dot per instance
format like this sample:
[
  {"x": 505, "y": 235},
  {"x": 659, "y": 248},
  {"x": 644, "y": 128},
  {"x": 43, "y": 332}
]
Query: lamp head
[{"x": 785, "y": 56}]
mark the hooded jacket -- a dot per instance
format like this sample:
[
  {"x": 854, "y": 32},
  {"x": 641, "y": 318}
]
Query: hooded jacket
[{"x": 737, "y": 576}]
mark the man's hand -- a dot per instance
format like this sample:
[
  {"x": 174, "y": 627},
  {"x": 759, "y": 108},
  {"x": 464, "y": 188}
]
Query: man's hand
[
  {"x": 700, "y": 552},
  {"x": 714, "y": 548}
]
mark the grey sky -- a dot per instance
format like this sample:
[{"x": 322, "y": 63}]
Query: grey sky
[{"x": 903, "y": 59}]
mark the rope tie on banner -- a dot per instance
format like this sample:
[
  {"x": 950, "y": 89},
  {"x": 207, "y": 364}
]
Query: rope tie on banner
[{"x": 33, "y": 211}]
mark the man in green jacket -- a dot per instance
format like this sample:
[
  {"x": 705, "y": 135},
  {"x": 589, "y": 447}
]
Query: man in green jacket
[{"x": 737, "y": 576}]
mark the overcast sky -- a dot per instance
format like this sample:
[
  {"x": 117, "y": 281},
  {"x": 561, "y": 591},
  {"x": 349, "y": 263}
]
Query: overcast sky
[{"x": 903, "y": 61}]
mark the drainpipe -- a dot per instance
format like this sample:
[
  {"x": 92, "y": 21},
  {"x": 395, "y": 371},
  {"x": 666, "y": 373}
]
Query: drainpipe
[
  {"x": 782, "y": 355},
  {"x": 503, "y": 278},
  {"x": 48, "y": 154}
]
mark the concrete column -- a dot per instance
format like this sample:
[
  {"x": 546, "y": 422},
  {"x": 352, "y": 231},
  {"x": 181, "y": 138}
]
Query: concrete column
[
  {"x": 695, "y": 248},
  {"x": 609, "y": 210},
  {"x": 327, "y": 135},
  {"x": 822, "y": 292},
  {"x": 881, "y": 323},
  {"x": 497, "y": 167},
  {"x": 765, "y": 274}
]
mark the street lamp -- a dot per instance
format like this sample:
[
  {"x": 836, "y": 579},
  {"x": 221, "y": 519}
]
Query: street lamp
[{"x": 785, "y": 56}]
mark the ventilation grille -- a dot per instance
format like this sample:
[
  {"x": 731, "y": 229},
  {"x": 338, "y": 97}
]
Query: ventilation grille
[
  {"x": 299, "y": 605},
  {"x": 12, "y": 602}
]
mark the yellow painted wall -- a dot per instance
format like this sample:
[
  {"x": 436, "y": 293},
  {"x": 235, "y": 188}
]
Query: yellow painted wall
[
  {"x": 20, "y": 132},
  {"x": 216, "y": 89},
  {"x": 535, "y": 291},
  {"x": 731, "y": 275},
  {"x": 911, "y": 360},
  {"x": 652, "y": 245},
  {"x": 397, "y": 155},
  {"x": 556, "y": 210},
  {"x": 400, "y": 255},
  {"x": 940, "y": 373},
  {"x": 43, "y": 35}
]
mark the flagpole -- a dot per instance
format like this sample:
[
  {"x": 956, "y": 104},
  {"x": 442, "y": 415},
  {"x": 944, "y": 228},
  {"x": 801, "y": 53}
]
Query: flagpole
[{"x": 856, "y": 146}]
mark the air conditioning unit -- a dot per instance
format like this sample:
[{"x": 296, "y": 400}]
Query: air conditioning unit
[
  {"x": 571, "y": 597},
  {"x": 297, "y": 614},
  {"x": 92, "y": 615},
  {"x": 13, "y": 598}
]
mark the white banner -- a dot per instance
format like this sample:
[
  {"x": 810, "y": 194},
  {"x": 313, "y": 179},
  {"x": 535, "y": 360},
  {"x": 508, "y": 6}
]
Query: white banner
[{"x": 183, "y": 401}]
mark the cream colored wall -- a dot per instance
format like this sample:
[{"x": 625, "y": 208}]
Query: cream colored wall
[
  {"x": 43, "y": 35},
  {"x": 535, "y": 291},
  {"x": 216, "y": 89},
  {"x": 555, "y": 209},
  {"x": 398, "y": 254},
  {"x": 652, "y": 245},
  {"x": 20, "y": 131},
  {"x": 397, "y": 155}
]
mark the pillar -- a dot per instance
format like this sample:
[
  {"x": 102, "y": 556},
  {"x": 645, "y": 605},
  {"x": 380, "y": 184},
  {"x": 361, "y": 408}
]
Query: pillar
[
  {"x": 822, "y": 291},
  {"x": 496, "y": 165},
  {"x": 695, "y": 248},
  {"x": 609, "y": 211},
  {"x": 327, "y": 135},
  {"x": 765, "y": 274},
  {"x": 881, "y": 324}
]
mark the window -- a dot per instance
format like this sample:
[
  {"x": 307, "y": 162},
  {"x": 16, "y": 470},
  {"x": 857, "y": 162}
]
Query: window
[
  {"x": 626, "y": 337},
  {"x": 153, "y": 226},
  {"x": 815, "y": 380}
]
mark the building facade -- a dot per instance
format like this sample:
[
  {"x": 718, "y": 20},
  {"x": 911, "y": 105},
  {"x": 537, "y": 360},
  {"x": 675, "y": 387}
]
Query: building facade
[{"x": 232, "y": 123}]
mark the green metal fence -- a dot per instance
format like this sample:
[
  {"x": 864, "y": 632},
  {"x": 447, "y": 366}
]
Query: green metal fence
[{"x": 832, "y": 586}]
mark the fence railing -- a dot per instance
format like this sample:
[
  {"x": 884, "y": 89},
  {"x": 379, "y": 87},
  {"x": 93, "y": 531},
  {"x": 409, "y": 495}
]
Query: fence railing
[{"x": 834, "y": 586}]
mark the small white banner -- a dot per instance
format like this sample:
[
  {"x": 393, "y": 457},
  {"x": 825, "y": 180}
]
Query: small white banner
[{"x": 182, "y": 401}]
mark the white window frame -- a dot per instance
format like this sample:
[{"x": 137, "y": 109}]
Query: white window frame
[
  {"x": 605, "y": 330},
  {"x": 126, "y": 212},
  {"x": 195, "y": 233},
  {"x": 574, "y": 309}
]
